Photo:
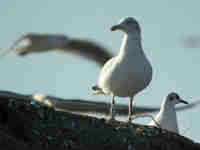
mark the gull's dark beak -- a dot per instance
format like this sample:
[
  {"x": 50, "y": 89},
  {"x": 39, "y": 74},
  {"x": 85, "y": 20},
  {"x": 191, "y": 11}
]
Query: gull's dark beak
[
  {"x": 115, "y": 27},
  {"x": 182, "y": 101}
]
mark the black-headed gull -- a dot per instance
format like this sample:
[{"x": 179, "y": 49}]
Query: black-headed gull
[{"x": 166, "y": 118}]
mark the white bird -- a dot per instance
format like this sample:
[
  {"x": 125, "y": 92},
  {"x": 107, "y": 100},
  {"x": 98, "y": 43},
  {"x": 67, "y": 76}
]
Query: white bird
[
  {"x": 130, "y": 71},
  {"x": 37, "y": 43},
  {"x": 166, "y": 118}
]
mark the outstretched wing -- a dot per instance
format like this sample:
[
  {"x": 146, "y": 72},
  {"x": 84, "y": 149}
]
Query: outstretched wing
[
  {"x": 86, "y": 106},
  {"x": 88, "y": 49},
  {"x": 37, "y": 43}
]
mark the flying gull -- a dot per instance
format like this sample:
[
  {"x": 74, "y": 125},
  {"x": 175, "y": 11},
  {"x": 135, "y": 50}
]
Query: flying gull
[
  {"x": 82, "y": 105},
  {"x": 87, "y": 106},
  {"x": 130, "y": 71},
  {"x": 38, "y": 43}
]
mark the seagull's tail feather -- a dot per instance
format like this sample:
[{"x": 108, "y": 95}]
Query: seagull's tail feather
[{"x": 97, "y": 90}]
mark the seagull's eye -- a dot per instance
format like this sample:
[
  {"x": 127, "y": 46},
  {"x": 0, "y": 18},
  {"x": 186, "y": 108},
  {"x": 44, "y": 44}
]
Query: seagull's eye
[{"x": 177, "y": 97}]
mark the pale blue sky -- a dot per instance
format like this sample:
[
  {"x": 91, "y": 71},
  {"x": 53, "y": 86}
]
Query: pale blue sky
[{"x": 162, "y": 22}]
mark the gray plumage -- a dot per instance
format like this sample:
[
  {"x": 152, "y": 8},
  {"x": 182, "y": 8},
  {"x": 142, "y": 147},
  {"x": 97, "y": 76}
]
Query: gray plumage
[{"x": 40, "y": 43}]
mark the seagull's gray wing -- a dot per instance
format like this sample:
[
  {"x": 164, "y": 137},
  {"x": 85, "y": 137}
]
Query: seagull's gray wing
[
  {"x": 37, "y": 43},
  {"x": 188, "y": 106},
  {"x": 86, "y": 106},
  {"x": 12, "y": 48},
  {"x": 32, "y": 42},
  {"x": 88, "y": 49}
]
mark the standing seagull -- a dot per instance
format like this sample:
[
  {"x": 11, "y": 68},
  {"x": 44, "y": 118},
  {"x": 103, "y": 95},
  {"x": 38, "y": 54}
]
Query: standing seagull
[
  {"x": 166, "y": 118},
  {"x": 130, "y": 71}
]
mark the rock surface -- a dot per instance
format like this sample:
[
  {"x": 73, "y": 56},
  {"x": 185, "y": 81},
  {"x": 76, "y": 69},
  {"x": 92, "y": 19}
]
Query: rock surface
[{"x": 29, "y": 125}]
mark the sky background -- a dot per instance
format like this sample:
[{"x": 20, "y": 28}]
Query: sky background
[{"x": 163, "y": 23}]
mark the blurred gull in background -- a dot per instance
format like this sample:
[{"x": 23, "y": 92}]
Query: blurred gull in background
[
  {"x": 38, "y": 43},
  {"x": 191, "y": 41},
  {"x": 85, "y": 106}
]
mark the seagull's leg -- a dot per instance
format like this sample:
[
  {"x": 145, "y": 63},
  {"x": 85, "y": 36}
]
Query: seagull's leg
[
  {"x": 112, "y": 109},
  {"x": 130, "y": 109}
]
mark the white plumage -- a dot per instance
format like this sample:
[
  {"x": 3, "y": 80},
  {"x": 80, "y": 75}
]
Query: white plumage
[
  {"x": 130, "y": 71},
  {"x": 167, "y": 118}
]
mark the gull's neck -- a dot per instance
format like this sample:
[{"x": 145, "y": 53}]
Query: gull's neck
[
  {"x": 167, "y": 117},
  {"x": 168, "y": 111},
  {"x": 131, "y": 45},
  {"x": 167, "y": 107}
]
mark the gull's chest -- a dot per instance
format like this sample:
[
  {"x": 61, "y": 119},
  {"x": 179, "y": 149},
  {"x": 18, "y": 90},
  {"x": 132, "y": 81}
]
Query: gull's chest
[
  {"x": 168, "y": 121},
  {"x": 127, "y": 77},
  {"x": 131, "y": 70}
]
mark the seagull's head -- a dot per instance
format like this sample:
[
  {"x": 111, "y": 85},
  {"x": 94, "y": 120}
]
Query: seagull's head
[
  {"x": 127, "y": 25},
  {"x": 173, "y": 98}
]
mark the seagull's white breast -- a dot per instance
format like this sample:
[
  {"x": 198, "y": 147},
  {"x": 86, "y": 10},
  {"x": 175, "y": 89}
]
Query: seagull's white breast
[
  {"x": 167, "y": 119},
  {"x": 125, "y": 78},
  {"x": 128, "y": 73}
]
